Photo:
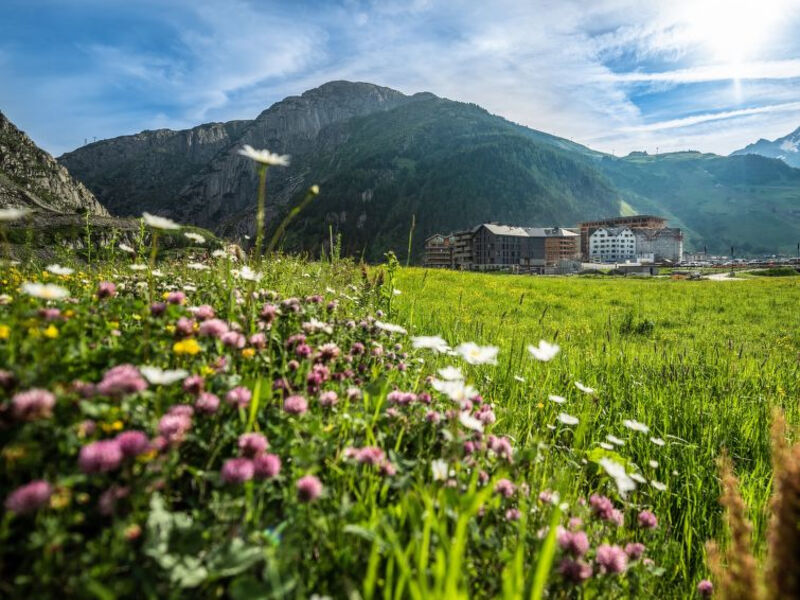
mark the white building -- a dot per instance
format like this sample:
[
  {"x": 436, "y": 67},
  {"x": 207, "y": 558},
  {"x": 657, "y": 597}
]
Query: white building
[{"x": 612, "y": 244}]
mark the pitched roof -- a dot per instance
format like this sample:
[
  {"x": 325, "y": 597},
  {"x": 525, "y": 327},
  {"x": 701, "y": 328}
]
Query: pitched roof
[{"x": 506, "y": 230}]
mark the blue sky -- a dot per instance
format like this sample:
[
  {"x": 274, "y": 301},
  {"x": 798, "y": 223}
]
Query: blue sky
[{"x": 616, "y": 75}]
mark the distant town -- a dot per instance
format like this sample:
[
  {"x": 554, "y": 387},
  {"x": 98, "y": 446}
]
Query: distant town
[{"x": 634, "y": 243}]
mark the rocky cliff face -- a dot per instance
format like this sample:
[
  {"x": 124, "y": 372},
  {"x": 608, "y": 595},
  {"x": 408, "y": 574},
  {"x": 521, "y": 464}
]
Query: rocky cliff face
[
  {"x": 196, "y": 176},
  {"x": 31, "y": 178}
]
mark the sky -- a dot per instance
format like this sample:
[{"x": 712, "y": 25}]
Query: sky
[{"x": 615, "y": 75}]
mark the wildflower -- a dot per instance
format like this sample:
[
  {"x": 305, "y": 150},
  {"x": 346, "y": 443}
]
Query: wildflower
[
  {"x": 45, "y": 291},
  {"x": 239, "y": 397},
  {"x": 329, "y": 398},
  {"x": 557, "y": 399},
  {"x": 457, "y": 391},
  {"x": 207, "y": 402},
  {"x": 13, "y": 213},
  {"x": 657, "y": 441},
  {"x": 29, "y": 497},
  {"x": 615, "y": 440},
  {"x": 173, "y": 427},
  {"x": 574, "y": 571},
  {"x": 653, "y": 464},
  {"x": 195, "y": 237},
  {"x": 634, "y": 550},
  {"x": 176, "y": 298},
  {"x": 137, "y": 267},
  {"x": 603, "y": 508},
  {"x": 477, "y": 355},
  {"x": 433, "y": 342},
  {"x": 505, "y": 488},
  {"x": 501, "y": 446},
  {"x": 264, "y": 157},
  {"x": 390, "y": 328},
  {"x": 439, "y": 469},
  {"x": 513, "y": 514},
  {"x": 705, "y": 588},
  {"x": 469, "y": 421},
  {"x": 329, "y": 351},
  {"x": 635, "y": 425},
  {"x": 612, "y": 559},
  {"x": 159, "y": 222},
  {"x": 33, "y": 404},
  {"x": 237, "y": 470},
  {"x": 126, "y": 248},
  {"x": 248, "y": 274},
  {"x": 451, "y": 374},
  {"x": 295, "y": 405},
  {"x": 545, "y": 351},
  {"x": 266, "y": 466},
  {"x": 100, "y": 457},
  {"x": 158, "y": 376},
  {"x": 232, "y": 339},
  {"x": 5, "y": 332},
  {"x": 187, "y": 346},
  {"x": 59, "y": 270},
  {"x": 213, "y": 328},
  {"x": 309, "y": 488},
  {"x": 132, "y": 443},
  {"x": 617, "y": 472},
  {"x": 658, "y": 485},
  {"x": 647, "y": 520},
  {"x": 252, "y": 444},
  {"x": 193, "y": 384},
  {"x": 121, "y": 380},
  {"x": 108, "y": 499},
  {"x": 573, "y": 542},
  {"x": 567, "y": 419},
  {"x": 584, "y": 388},
  {"x": 258, "y": 341}
]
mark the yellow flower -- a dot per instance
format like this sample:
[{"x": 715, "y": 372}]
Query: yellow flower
[
  {"x": 13, "y": 453},
  {"x": 148, "y": 456},
  {"x": 5, "y": 331},
  {"x": 248, "y": 352},
  {"x": 187, "y": 346},
  {"x": 137, "y": 317},
  {"x": 170, "y": 328},
  {"x": 69, "y": 313},
  {"x": 206, "y": 370},
  {"x": 113, "y": 324},
  {"x": 33, "y": 332},
  {"x": 165, "y": 295},
  {"x": 60, "y": 499},
  {"x": 540, "y": 405},
  {"x": 51, "y": 332}
]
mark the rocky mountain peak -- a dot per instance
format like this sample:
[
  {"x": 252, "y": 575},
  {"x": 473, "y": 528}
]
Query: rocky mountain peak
[{"x": 31, "y": 178}]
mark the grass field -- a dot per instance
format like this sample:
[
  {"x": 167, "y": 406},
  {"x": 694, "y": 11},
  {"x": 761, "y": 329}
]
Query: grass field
[
  {"x": 201, "y": 429},
  {"x": 700, "y": 362}
]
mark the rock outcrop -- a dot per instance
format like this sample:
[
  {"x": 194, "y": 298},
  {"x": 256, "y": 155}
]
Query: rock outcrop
[{"x": 31, "y": 178}]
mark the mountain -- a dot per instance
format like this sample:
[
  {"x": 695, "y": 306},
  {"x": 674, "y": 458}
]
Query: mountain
[
  {"x": 786, "y": 148},
  {"x": 381, "y": 156},
  {"x": 31, "y": 178}
]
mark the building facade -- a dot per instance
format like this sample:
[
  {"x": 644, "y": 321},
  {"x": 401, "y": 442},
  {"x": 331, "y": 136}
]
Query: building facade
[
  {"x": 664, "y": 244},
  {"x": 632, "y": 222},
  {"x": 612, "y": 244},
  {"x": 439, "y": 251}
]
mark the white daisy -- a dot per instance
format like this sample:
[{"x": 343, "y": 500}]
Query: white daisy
[
  {"x": 451, "y": 374},
  {"x": 265, "y": 157},
  {"x": 606, "y": 446},
  {"x": 457, "y": 391},
  {"x": 59, "y": 270},
  {"x": 159, "y": 222},
  {"x": 658, "y": 485},
  {"x": 519, "y": 378},
  {"x": 617, "y": 472},
  {"x": 657, "y": 441},
  {"x": 396, "y": 292},
  {"x": 584, "y": 388},
  {"x": 197, "y": 266},
  {"x": 126, "y": 248},
  {"x": 158, "y": 376},
  {"x": 567, "y": 419},
  {"x": 653, "y": 464},
  {"x": 195, "y": 237},
  {"x": 545, "y": 351},
  {"x": 440, "y": 469},
  {"x": 615, "y": 440},
  {"x": 138, "y": 267},
  {"x": 556, "y": 399},
  {"x": 638, "y": 478},
  {"x": 430, "y": 342},
  {"x": 636, "y": 425},
  {"x": 470, "y": 422},
  {"x": 478, "y": 355},
  {"x": 45, "y": 291},
  {"x": 390, "y": 327}
]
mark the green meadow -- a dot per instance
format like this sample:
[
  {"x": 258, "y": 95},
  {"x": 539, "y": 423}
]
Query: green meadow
[{"x": 702, "y": 363}]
